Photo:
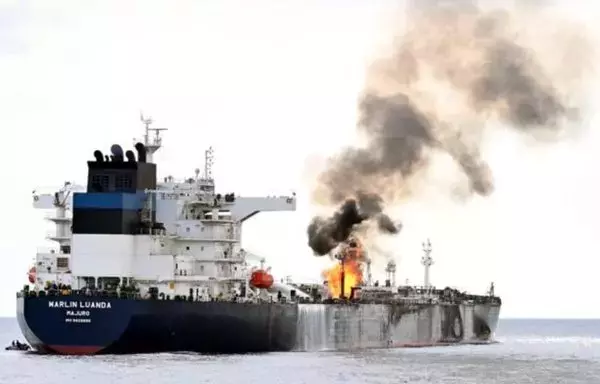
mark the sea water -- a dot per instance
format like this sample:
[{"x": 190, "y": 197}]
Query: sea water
[{"x": 529, "y": 351}]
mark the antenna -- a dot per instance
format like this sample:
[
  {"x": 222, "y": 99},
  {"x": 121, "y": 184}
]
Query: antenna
[
  {"x": 156, "y": 143},
  {"x": 208, "y": 163},
  {"x": 390, "y": 271},
  {"x": 427, "y": 262}
]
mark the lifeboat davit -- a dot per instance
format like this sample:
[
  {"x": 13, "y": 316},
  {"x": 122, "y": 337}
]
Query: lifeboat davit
[
  {"x": 261, "y": 279},
  {"x": 31, "y": 275}
]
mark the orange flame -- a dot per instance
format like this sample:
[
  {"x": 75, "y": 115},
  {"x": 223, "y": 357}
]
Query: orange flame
[{"x": 352, "y": 273}]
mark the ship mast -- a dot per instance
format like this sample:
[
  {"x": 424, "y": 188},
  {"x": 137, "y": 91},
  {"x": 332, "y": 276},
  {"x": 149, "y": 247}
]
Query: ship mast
[
  {"x": 390, "y": 272},
  {"x": 152, "y": 144},
  {"x": 208, "y": 163},
  {"x": 427, "y": 262}
]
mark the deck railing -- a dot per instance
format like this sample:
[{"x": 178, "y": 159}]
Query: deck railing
[{"x": 480, "y": 300}]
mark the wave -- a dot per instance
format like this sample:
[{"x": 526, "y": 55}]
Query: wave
[{"x": 537, "y": 339}]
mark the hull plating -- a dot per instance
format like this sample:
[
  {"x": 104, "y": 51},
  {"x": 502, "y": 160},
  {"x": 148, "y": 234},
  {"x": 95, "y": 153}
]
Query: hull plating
[
  {"x": 346, "y": 327},
  {"x": 144, "y": 326},
  {"x": 85, "y": 325}
]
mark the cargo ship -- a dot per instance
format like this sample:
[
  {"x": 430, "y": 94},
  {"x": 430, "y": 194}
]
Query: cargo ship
[{"x": 147, "y": 266}]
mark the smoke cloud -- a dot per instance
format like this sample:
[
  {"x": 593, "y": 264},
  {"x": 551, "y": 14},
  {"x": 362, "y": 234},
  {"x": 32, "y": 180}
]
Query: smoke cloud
[
  {"x": 324, "y": 234},
  {"x": 455, "y": 69}
]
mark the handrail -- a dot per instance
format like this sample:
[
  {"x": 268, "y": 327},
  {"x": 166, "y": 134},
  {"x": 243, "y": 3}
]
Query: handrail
[{"x": 135, "y": 295}]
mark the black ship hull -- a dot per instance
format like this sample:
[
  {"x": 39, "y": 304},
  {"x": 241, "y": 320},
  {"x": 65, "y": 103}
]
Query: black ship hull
[
  {"x": 78, "y": 325},
  {"x": 86, "y": 325}
]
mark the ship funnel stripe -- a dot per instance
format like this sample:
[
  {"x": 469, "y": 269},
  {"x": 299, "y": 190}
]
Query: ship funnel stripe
[
  {"x": 120, "y": 201},
  {"x": 115, "y": 213},
  {"x": 105, "y": 222}
]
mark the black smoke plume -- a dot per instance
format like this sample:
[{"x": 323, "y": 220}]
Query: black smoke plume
[
  {"x": 324, "y": 234},
  {"x": 492, "y": 77}
]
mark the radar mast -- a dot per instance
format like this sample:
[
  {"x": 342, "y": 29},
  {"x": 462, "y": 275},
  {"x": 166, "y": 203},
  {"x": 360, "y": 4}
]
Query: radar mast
[
  {"x": 427, "y": 262},
  {"x": 152, "y": 144},
  {"x": 209, "y": 159}
]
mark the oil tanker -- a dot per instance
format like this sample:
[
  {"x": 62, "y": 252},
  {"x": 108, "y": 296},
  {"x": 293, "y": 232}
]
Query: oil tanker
[{"x": 145, "y": 266}]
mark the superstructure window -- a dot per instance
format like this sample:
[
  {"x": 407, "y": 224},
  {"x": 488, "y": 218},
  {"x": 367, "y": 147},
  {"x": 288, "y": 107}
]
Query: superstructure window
[
  {"x": 62, "y": 262},
  {"x": 101, "y": 182},
  {"x": 123, "y": 182}
]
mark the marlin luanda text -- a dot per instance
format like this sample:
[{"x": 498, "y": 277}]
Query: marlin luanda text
[{"x": 79, "y": 304}]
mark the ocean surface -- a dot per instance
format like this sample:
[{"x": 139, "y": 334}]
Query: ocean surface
[{"x": 529, "y": 351}]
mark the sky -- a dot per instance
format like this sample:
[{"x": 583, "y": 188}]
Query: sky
[{"x": 273, "y": 87}]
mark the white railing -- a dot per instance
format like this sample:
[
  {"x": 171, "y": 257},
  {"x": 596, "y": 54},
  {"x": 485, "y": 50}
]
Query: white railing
[
  {"x": 53, "y": 215},
  {"x": 54, "y": 235},
  {"x": 220, "y": 259},
  {"x": 50, "y": 214},
  {"x": 204, "y": 278},
  {"x": 47, "y": 250},
  {"x": 179, "y": 193},
  {"x": 225, "y": 219},
  {"x": 173, "y": 181},
  {"x": 228, "y": 239}
]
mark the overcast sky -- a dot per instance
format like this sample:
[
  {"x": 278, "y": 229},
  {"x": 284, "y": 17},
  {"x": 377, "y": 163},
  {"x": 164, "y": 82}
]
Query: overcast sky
[{"x": 272, "y": 86}]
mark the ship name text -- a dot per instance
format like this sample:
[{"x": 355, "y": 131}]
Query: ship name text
[{"x": 80, "y": 304}]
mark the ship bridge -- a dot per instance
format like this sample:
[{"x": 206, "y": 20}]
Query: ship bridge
[
  {"x": 246, "y": 207},
  {"x": 52, "y": 199},
  {"x": 177, "y": 204},
  {"x": 196, "y": 198}
]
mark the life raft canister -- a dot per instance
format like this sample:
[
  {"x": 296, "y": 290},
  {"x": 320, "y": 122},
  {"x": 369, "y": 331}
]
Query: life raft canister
[{"x": 31, "y": 275}]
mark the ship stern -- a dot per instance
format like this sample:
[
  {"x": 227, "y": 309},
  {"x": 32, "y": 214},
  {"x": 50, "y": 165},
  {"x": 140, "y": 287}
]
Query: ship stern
[{"x": 72, "y": 325}]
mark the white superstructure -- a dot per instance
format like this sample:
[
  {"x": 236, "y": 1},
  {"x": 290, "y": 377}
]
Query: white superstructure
[
  {"x": 197, "y": 253},
  {"x": 53, "y": 264}
]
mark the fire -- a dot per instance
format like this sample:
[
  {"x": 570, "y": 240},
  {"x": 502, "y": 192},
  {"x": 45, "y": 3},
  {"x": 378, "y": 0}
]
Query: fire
[
  {"x": 351, "y": 268},
  {"x": 333, "y": 275}
]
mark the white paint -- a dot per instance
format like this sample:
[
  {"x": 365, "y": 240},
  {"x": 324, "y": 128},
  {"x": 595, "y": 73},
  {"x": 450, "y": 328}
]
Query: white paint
[{"x": 103, "y": 255}]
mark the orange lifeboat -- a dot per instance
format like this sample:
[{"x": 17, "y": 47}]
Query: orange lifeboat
[
  {"x": 31, "y": 275},
  {"x": 261, "y": 279}
]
